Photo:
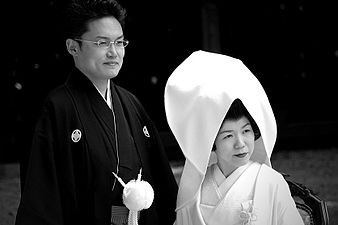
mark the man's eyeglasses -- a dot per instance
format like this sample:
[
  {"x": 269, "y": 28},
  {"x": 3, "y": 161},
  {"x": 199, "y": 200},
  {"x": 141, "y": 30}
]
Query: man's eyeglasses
[{"x": 106, "y": 43}]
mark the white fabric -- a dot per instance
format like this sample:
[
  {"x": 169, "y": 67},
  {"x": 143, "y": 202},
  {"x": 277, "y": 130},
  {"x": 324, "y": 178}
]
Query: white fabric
[
  {"x": 198, "y": 95},
  {"x": 216, "y": 185},
  {"x": 231, "y": 193},
  {"x": 272, "y": 203}
]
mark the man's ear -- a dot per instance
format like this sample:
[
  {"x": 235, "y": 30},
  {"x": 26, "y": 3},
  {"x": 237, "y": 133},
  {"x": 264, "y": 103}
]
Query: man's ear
[{"x": 72, "y": 47}]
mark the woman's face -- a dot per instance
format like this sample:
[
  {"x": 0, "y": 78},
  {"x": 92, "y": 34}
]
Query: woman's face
[{"x": 234, "y": 144}]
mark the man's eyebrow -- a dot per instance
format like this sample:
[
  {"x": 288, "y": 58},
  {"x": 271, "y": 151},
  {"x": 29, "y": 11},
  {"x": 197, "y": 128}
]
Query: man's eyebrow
[{"x": 105, "y": 37}]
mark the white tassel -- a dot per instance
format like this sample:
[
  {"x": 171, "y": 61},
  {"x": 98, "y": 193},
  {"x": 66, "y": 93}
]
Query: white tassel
[
  {"x": 132, "y": 218},
  {"x": 137, "y": 195}
]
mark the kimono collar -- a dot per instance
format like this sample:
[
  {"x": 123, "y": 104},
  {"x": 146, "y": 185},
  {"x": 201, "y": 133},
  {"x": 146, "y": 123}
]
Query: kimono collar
[
  {"x": 219, "y": 176},
  {"x": 197, "y": 97},
  {"x": 107, "y": 96}
]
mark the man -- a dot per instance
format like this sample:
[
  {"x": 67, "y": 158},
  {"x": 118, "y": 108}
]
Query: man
[{"x": 89, "y": 128}]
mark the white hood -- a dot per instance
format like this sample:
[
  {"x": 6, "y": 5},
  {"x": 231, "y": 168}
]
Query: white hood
[{"x": 197, "y": 97}]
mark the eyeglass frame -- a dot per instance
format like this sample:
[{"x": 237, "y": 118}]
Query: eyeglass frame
[{"x": 110, "y": 42}]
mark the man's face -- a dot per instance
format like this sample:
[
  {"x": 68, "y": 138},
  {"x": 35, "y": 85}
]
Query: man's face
[{"x": 101, "y": 63}]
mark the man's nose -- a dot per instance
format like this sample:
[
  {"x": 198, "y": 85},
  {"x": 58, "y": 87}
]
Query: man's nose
[{"x": 111, "y": 53}]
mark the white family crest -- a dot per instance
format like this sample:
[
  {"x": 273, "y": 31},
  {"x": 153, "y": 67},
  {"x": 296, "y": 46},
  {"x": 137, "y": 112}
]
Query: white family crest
[
  {"x": 145, "y": 131},
  {"x": 76, "y": 135}
]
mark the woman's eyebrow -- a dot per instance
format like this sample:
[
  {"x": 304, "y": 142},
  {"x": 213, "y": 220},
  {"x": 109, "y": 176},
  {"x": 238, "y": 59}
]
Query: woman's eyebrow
[
  {"x": 225, "y": 131},
  {"x": 247, "y": 124},
  {"x": 229, "y": 131}
]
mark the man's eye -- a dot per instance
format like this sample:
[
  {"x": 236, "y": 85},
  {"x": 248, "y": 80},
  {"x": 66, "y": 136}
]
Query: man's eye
[
  {"x": 119, "y": 43},
  {"x": 102, "y": 43}
]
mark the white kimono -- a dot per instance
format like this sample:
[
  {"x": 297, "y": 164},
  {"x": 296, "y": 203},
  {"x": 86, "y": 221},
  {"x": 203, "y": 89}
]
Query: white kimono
[
  {"x": 253, "y": 194},
  {"x": 198, "y": 95}
]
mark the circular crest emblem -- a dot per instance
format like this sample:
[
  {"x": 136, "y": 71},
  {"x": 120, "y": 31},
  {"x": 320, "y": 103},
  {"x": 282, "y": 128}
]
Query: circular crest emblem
[{"x": 76, "y": 135}]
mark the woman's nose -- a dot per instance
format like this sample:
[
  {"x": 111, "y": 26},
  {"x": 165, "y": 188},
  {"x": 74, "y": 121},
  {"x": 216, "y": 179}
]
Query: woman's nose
[{"x": 239, "y": 142}]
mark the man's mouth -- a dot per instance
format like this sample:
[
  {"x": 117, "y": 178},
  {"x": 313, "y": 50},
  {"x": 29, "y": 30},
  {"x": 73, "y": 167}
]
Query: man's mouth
[{"x": 111, "y": 63}]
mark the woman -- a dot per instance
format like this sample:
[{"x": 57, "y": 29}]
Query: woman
[{"x": 222, "y": 119}]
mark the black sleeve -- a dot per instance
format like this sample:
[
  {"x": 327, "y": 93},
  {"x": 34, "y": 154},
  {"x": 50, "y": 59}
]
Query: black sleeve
[
  {"x": 40, "y": 201},
  {"x": 165, "y": 184},
  {"x": 56, "y": 188}
]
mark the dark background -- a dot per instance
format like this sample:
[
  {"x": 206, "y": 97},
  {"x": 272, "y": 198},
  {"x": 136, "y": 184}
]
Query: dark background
[{"x": 291, "y": 46}]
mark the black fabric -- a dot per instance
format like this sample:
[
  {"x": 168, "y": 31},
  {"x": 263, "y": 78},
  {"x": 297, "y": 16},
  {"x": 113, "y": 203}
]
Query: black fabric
[
  {"x": 71, "y": 182},
  {"x": 129, "y": 162}
]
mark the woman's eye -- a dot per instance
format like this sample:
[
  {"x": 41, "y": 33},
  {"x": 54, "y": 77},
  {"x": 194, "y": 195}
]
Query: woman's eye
[
  {"x": 247, "y": 130},
  {"x": 227, "y": 136}
]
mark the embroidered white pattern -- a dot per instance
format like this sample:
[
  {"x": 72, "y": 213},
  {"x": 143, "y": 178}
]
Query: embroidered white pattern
[{"x": 247, "y": 214}]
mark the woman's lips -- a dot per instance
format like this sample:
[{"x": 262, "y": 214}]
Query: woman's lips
[{"x": 241, "y": 155}]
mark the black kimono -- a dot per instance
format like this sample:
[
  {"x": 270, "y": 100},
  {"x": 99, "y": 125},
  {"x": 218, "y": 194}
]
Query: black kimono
[{"x": 74, "y": 152}]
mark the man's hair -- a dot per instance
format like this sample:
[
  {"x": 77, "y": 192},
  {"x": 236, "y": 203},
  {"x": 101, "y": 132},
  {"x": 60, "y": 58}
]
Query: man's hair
[
  {"x": 237, "y": 110},
  {"x": 79, "y": 13}
]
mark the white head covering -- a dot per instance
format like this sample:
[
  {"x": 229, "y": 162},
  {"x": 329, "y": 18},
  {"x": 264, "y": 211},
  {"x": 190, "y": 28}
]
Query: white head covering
[{"x": 198, "y": 95}]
